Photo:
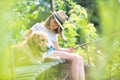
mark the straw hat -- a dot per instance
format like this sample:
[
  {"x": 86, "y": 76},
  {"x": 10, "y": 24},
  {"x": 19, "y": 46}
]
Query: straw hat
[{"x": 60, "y": 18}]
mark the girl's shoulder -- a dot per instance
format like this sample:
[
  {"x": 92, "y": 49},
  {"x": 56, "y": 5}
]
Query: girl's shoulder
[{"x": 38, "y": 24}]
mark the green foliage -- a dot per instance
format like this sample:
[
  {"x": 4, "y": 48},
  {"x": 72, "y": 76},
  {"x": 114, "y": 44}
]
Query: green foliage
[
  {"x": 26, "y": 13},
  {"x": 92, "y": 9},
  {"x": 108, "y": 67},
  {"x": 5, "y": 35},
  {"x": 78, "y": 30}
]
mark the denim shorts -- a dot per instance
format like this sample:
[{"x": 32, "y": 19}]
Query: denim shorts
[{"x": 50, "y": 50}]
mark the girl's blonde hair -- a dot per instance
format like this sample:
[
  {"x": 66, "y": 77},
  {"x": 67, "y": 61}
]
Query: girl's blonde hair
[
  {"x": 47, "y": 23},
  {"x": 59, "y": 30}
]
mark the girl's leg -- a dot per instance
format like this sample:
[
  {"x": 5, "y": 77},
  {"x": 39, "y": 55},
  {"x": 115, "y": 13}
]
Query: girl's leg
[
  {"x": 81, "y": 68},
  {"x": 77, "y": 66}
]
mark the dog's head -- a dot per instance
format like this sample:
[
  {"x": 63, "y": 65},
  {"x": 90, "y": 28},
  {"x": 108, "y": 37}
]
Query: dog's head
[{"x": 39, "y": 41}]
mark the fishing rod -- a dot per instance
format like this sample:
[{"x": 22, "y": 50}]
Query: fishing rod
[
  {"x": 84, "y": 44},
  {"x": 51, "y": 6}
]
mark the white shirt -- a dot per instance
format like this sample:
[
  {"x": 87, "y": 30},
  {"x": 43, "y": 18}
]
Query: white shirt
[{"x": 52, "y": 37}]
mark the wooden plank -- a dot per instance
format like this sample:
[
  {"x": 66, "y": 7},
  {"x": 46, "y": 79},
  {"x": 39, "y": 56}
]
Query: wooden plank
[
  {"x": 25, "y": 72},
  {"x": 58, "y": 72}
]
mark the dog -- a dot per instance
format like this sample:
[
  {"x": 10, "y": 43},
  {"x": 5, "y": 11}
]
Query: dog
[{"x": 31, "y": 50}]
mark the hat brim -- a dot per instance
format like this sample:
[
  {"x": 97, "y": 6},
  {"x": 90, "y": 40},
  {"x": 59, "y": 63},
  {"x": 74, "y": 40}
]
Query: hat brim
[{"x": 56, "y": 19}]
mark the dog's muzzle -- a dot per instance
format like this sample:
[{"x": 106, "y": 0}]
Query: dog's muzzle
[{"x": 43, "y": 49}]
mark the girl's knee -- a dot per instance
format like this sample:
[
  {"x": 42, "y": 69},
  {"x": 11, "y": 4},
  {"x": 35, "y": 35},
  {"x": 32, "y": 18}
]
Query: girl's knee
[
  {"x": 77, "y": 58},
  {"x": 81, "y": 58}
]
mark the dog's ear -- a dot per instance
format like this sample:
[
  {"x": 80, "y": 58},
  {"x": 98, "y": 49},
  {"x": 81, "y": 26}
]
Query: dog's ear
[
  {"x": 30, "y": 41},
  {"x": 32, "y": 44},
  {"x": 38, "y": 37},
  {"x": 34, "y": 37}
]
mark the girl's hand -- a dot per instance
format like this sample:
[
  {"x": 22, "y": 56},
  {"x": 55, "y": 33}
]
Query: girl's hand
[{"x": 70, "y": 50}]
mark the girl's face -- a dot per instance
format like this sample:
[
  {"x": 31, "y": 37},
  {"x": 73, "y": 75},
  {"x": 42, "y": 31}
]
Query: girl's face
[{"x": 54, "y": 25}]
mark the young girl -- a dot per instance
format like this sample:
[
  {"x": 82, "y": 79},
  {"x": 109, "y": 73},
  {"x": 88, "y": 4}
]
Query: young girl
[{"x": 53, "y": 26}]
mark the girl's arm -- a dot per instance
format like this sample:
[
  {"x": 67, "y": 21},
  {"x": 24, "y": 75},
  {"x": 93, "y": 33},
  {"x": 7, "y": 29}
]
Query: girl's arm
[{"x": 56, "y": 45}]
